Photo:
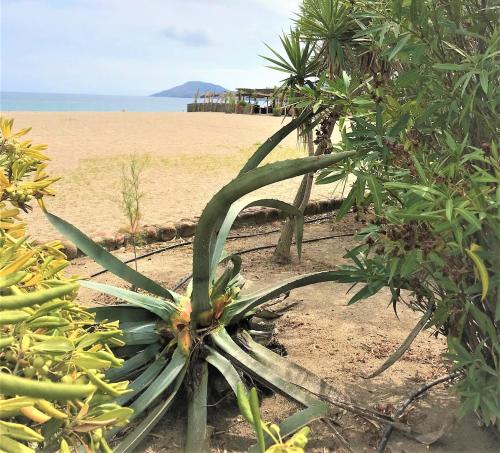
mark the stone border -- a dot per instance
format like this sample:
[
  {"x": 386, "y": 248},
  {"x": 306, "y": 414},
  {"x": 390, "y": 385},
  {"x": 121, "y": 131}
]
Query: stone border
[{"x": 187, "y": 228}]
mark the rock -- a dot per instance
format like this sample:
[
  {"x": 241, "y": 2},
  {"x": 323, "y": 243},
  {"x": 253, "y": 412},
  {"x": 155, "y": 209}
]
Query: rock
[
  {"x": 69, "y": 249},
  {"x": 150, "y": 233},
  {"x": 261, "y": 216},
  {"x": 119, "y": 239},
  {"x": 325, "y": 206},
  {"x": 247, "y": 218},
  {"x": 167, "y": 232},
  {"x": 272, "y": 214},
  {"x": 185, "y": 228},
  {"x": 313, "y": 207},
  {"x": 106, "y": 239}
]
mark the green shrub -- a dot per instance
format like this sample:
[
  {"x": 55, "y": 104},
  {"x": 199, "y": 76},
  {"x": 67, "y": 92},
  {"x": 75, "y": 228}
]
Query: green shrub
[
  {"x": 53, "y": 355},
  {"x": 419, "y": 106}
]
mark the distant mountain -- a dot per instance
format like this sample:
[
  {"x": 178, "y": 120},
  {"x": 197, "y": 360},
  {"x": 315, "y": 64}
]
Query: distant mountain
[{"x": 189, "y": 89}]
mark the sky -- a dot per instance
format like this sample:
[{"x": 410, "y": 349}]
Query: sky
[{"x": 138, "y": 47}]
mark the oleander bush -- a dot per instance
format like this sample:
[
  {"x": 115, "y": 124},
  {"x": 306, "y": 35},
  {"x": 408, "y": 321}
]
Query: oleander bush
[
  {"x": 417, "y": 100},
  {"x": 53, "y": 354}
]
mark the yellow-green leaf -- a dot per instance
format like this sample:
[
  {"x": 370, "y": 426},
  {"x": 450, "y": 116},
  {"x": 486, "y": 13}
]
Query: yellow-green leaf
[{"x": 481, "y": 270}]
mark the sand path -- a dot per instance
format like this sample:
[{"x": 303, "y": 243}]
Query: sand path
[{"x": 189, "y": 156}]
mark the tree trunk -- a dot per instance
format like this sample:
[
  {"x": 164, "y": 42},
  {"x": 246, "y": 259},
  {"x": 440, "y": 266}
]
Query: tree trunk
[{"x": 282, "y": 252}]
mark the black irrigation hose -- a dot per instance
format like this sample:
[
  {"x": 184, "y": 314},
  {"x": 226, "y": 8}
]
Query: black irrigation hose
[
  {"x": 263, "y": 247},
  {"x": 182, "y": 244}
]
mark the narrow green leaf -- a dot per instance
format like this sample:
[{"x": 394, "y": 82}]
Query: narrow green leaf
[
  {"x": 263, "y": 373},
  {"x": 232, "y": 214},
  {"x": 409, "y": 264},
  {"x": 376, "y": 193},
  {"x": 399, "y": 46},
  {"x": 225, "y": 367},
  {"x": 238, "y": 308},
  {"x": 450, "y": 67},
  {"x": 196, "y": 433},
  {"x": 160, "y": 307},
  {"x": 449, "y": 209},
  {"x": 297, "y": 421},
  {"x": 469, "y": 217},
  {"x": 132, "y": 364},
  {"x": 160, "y": 384},
  {"x": 483, "y": 79},
  {"x": 143, "y": 381},
  {"x": 219, "y": 205},
  {"x": 367, "y": 291},
  {"x": 122, "y": 313},
  {"x": 481, "y": 270},
  {"x": 138, "y": 434},
  {"x": 106, "y": 259},
  {"x": 257, "y": 421},
  {"x": 289, "y": 370},
  {"x": 265, "y": 149},
  {"x": 399, "y": 125},
  {"x": 404, "y": 346},
  {"x": 347, "y": 203},
  {"x": 139, "y": 333}
]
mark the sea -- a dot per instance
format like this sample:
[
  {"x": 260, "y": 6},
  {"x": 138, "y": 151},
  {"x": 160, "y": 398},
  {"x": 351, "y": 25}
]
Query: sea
[{"x": 58, "y": 102}]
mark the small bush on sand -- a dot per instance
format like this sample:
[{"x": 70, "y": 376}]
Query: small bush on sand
[{"x": 132, "y": 195}]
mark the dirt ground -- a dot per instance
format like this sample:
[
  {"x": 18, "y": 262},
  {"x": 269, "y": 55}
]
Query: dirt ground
[
  {"x": 187, "y": 157},
  {"x": 340, "y": 343}
]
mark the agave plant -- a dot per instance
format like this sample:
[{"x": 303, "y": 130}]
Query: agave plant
[{"x": 172, "y": 338}]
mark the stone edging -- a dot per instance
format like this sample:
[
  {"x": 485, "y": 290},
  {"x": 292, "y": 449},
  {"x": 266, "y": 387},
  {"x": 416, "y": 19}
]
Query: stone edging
[{"x": 186, "y": 228}]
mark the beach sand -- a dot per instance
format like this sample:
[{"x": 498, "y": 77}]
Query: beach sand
[{"x": 188, "y": 157}]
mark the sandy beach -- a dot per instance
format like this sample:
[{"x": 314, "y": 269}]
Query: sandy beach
[{"x": 188, "y": 157}]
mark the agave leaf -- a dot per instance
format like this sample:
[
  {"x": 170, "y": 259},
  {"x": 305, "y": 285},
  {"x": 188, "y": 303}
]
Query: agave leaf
[
  {"x": 139, "y": 333},
  {"x": 196, "y": 435},
  {"x": 304, "y": 379},
  {"x": 241, "y": 306},
  {"x": 132, "y": 364},
  {"x": 106, "y": 259},
  {"x": 289, "y": 370},
  {"x": 143, "y": 381},
  {"x": 297, "y": 421},
  {"x": 262, "y": 373},
  {"x": 232, "y": 214},
  {"x": 219, "y": 205},
  {"x": 137, "y": 435},
  {"x": 225, "y": 367},
  {"x": 160, "y": 384},
  {"x": 160, "y": 307},
  {"x": 227, "y": 276},
  {"x": 404, "y": 346},
  {"x": 122, "y": 313},
  {"x": 265, "y": 149}
]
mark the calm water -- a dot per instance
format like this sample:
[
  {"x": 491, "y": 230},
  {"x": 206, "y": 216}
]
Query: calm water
[{"x": 49, "y": 102}]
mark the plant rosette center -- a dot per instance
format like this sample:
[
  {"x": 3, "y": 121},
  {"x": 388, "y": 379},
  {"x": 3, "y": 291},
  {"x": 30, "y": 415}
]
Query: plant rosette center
[{"x": 182, "y": 328}]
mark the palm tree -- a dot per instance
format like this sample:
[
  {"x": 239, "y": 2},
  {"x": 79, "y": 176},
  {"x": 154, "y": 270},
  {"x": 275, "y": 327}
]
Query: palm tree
[{"x": 321, "y": 44}]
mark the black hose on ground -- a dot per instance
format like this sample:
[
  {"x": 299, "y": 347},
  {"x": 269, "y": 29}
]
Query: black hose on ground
[
  {"x": 230, "y": 238},
  {"x": 263, "y": 247}
]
